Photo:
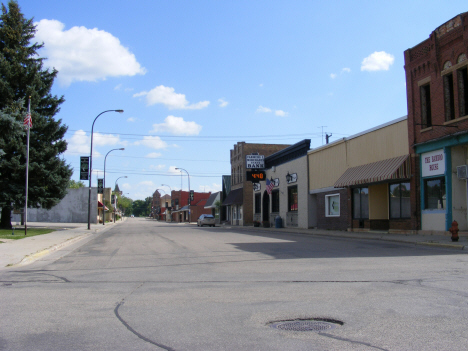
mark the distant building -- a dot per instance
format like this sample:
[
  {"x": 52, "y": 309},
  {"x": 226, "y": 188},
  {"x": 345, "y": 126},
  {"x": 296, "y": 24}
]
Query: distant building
[{"x": 239, "y": 201}]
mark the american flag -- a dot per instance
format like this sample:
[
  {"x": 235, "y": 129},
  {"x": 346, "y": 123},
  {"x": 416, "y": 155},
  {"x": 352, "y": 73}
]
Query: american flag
[
  {"x": 270, "y": 184},
  {"x": 27, "y": 121}
]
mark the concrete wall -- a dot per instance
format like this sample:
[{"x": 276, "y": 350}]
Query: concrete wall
[{"x": 72, "y": 209}]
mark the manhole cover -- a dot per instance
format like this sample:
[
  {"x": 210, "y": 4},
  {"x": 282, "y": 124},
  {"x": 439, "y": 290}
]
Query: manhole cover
[{"x": 304, "y": 325}]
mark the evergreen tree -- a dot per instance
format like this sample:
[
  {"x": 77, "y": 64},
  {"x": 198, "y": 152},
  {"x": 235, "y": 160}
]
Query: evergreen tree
[{"x": 22, "y": 75}]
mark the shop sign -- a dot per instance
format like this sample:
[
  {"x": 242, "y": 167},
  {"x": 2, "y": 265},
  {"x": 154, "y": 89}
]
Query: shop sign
[
  {"x": 255, "y": 161},
  {"x": 433, "y": 163},
  {"x": 257, "y": 187}
]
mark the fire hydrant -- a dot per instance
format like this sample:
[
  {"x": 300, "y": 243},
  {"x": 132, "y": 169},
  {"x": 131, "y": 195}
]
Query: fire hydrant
[{"x": 454, "y": 230}]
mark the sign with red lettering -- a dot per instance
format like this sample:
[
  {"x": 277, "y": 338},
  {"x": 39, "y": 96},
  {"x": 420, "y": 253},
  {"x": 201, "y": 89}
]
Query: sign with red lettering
[{"x": 433, "y": 163}]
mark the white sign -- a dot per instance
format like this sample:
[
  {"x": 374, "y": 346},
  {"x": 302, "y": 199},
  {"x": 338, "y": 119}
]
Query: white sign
[
  {"x": 433, "y": 163},
  {"x": 255, "y": 161},
  {"x": 257, "y": 186}
]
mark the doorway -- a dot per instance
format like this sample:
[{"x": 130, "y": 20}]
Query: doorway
[{"x": 266, "y": 207}]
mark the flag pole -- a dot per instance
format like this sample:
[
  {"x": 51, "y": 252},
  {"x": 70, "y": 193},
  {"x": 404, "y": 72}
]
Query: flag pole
[{"x": 28, "y": 123}]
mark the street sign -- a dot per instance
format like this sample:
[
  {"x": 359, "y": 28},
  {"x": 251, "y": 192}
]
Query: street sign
[
  {"x": 255, "y": 176},
  {"x": 254, "y": 161},
  {"x": 100, "y": 186},
  {"x": 84, "y": 167}
]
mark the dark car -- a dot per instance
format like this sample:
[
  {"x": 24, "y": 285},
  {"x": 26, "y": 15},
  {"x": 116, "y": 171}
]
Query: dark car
[{"x": 206, "y": 219}]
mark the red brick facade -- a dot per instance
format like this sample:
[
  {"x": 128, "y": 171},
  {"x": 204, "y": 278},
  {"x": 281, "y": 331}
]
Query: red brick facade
[{"x": 437, "y": 86}]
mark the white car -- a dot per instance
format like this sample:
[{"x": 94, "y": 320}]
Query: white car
[{"x": 206, "y": 219}]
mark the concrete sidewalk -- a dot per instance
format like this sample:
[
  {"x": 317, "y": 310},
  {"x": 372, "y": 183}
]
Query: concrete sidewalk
[
  {"x": 436, "y": 240},
  {"x": 27, "y": 250}
]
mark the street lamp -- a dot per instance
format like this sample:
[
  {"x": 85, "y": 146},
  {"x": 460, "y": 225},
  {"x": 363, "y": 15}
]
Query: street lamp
[
  {"x": 115, "y": 186},
  {"x": 104, "y": 187},
  {"x": 188, "y": 175},
  {"x": 91, "y": 165}
]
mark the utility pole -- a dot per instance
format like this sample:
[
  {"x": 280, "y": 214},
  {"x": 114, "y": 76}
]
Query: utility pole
[{"x": 322, "y": 131}]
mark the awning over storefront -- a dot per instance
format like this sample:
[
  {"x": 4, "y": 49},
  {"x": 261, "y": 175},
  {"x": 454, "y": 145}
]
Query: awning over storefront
[
  {"x": 235, "y": 197},
  {"x": 100, "y": 205},
  {"x": 392, "y": 168}
]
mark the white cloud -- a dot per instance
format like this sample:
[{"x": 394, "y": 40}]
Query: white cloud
[
  {"x": 80, "y": 142},
  {"x": 173, "y": 170},
  {"x": 343, "y": 70},
  {"x": 172, "y": 100},
  {"x": 213, "y": 188},
  {"x": 281, "y": 113},
  {"x": 107, "y": 139},
  {"x": 82, "y": 54},
  {"x": 157, "y": 167},
  {"x": 154, "y": 155},
  {"x": 153, "y": 142},
  {"x": 146, "y": 183},
  {"x": 262, "y": 109},
  {"x": 177, "y": 125},
  {"x": 378, "y": 61},
  {"x": 222, "y": 102},
  {"x": 131, "y": 119}
]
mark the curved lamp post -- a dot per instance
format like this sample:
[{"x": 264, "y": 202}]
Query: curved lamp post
[
  {"x": 115, "y": 186},
  {"x": 189, "y": 203},
  {"x": 91, "y": 165},
  {"x": 104, "y": 187}
]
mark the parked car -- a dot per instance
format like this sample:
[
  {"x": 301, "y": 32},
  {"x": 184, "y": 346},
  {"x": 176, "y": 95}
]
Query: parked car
[{"x": 206, "y": 219}]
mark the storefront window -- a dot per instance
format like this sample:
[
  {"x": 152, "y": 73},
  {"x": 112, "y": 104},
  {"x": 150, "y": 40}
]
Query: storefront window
[
  {"x": 292, "y": 198},
  {"x": 275, "y": 201},
  {"x": 361, "y": 203},
  {"x": 332, "y": 205},
  {"x": 400, "y": 206},
  {"x": 434, "y": 193},
  {"x": 240, "y": 212},
  {"x": 234, "y": 212}
]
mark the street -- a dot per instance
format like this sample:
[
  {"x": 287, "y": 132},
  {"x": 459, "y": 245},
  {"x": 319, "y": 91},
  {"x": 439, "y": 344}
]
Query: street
[{"x": 146, "y": 285}]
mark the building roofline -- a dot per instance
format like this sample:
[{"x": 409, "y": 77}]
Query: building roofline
[{"x": 381, "y": 126}]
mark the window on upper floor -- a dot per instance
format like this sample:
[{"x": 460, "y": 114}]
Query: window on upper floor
[
  {"x": 426, "y": 113},
  {"x": 449, "y": 99},
  {"x": 462, "y": 74}
]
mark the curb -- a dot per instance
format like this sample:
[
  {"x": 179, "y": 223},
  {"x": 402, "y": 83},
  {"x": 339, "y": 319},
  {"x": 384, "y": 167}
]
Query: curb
[{"x": 34, "y": 257}]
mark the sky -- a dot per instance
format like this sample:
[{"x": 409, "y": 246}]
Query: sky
[{"x": 196, "y": 77}]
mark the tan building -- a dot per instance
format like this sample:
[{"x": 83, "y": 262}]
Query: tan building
[
  {"x": 362, "y": 181},
  {"x": 239, "y": 201}
]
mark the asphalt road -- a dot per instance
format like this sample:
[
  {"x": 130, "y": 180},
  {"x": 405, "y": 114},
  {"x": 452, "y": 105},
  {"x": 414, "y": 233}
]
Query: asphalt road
[{"x": 153, "y": 286}]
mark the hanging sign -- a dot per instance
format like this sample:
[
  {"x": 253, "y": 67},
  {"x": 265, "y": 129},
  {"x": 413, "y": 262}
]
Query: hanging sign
[{"x": 433, "y": 163}]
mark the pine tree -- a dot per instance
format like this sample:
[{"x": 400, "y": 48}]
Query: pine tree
[{"x": 22, "y": 75}]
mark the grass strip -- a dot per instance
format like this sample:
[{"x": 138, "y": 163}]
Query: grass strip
[{"x": 19, "y": 233}]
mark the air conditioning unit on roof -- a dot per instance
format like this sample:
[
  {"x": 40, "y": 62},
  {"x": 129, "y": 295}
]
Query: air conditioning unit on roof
[{"x": 462, "y": 172}]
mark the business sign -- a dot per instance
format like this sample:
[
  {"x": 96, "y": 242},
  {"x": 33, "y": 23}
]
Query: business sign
[
  {"x": 255, "y": 176},
  {"x": 255, "y": 161},
  {"x": 257, "y": 186},
  {"x": 433, "y": 163},
  {"x": 100, "y": 186},
  {"x": 84, "y": 167}
]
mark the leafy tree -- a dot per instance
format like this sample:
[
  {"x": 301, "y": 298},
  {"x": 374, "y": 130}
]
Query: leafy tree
[
  {"x": 125, "y": 203},
  {"x": 22, "y": 75},
  {"x": 73, "y": 184}
]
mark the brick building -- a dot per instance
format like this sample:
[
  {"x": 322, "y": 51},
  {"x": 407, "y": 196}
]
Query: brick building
[
  {"x": 180, "y": 206},
  {"x": 239, "y": 201},
  {"x": 437, "y": 97}
]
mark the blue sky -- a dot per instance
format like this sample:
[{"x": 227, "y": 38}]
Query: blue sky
[{"x": 196, "y": 77}]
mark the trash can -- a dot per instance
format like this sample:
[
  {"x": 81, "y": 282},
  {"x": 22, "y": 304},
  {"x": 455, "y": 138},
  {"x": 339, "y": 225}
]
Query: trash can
[{"x": 278, "y": 222}]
